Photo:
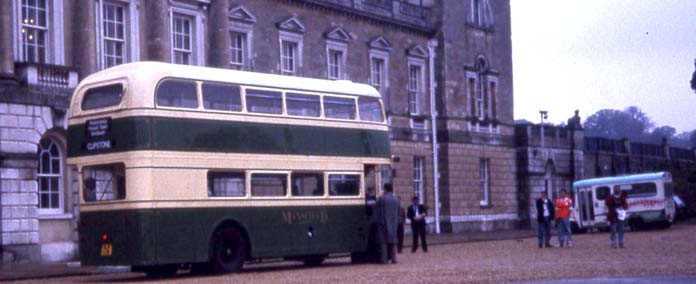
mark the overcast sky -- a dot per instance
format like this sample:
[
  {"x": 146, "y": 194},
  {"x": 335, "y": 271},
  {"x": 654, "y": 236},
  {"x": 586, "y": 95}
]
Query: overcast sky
[{"x": 597, "y": 54}]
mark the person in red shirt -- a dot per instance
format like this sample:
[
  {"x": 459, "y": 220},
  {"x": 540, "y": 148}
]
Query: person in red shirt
[{"x": 563, "y": 204}]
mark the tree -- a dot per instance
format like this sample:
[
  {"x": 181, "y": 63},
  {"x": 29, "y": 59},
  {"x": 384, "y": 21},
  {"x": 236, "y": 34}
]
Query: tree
[
  {"x": 632, "y": 123},
  {"x": 662, "y": 132}
]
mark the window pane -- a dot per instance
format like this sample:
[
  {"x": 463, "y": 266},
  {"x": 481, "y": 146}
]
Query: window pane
[
  {"x": 344, "y": 185},
  {"x": 307, "y": 184},
  {"x": 104, "y": 96},
  {"x": 104, "y": 182},
  {"x": 302, "y": 105},
  {"x": 370, "y": 109},
  {"x": 268, "y": 184},
  {"x": 228, "y": 184},
  {"x": 641, "y": 190},
  {"x": 264, "y": 101},
  {"x": 602, "y": 192},
  {"x": 341, "y": 108},
  {"x": 221, "y": 97},
  {"x": 175, "y": 93}
]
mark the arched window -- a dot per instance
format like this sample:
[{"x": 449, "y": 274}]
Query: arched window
[
  {"x": 482, "y": 89},
  {"x": 50, "y": 177}
]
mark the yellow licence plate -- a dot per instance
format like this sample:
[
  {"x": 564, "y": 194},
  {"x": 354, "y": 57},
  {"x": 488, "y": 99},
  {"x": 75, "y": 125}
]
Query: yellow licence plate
[{"x": 106, "y": 250}]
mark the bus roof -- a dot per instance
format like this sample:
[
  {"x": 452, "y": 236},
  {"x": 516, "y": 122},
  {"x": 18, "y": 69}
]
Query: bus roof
[
  {"x": 622, "y": 179},
  {"x": 159, "y": 70}
]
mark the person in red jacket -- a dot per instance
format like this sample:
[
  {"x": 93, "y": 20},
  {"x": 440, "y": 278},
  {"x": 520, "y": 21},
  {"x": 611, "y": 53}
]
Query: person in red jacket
[
  {"x": 563, "y": 205},
  {"x": 615, "y": 203}
]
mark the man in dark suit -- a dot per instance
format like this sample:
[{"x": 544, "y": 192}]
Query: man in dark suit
[
  {"x": 545, "y": 213},
  {"x": 416, "y": 213}
]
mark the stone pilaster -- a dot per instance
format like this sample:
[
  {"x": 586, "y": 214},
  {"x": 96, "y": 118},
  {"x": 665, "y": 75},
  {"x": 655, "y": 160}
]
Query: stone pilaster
[
  {"x": 85, "y": 52},
  {"x": 7, "y": 54},
  {"x": 219, "y": 35},
  {"x": 156, "y": 30}
]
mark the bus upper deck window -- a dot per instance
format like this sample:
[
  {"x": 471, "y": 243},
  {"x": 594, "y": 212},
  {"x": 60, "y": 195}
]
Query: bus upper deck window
[
  {"x": 263, "y": 184},
  {"x": 341, "y": 108},
  {"x": 302, "y": 105},
  {"x": 307, "y": 184},
  {"x": 370, "y": 109},
  {"x": 177, "y": 93},
  {"x": 104, "y": 182},
  {"x": 104, "y": 96},
  {"x": 221, "y": 97},
  {"x": 260, "y": 101}
]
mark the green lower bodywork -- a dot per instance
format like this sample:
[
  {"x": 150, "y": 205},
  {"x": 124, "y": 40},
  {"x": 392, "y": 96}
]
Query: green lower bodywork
[{"x": 168, "y": 236}]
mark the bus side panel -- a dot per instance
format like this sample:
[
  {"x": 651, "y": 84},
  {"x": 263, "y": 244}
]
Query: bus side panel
[{"x": 129, "y": 233}]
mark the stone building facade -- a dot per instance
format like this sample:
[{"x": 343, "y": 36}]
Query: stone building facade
[{"x": 444, "y": 69}]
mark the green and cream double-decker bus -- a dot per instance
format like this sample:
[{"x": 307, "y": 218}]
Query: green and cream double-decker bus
[{"x": 184, "y": 165}]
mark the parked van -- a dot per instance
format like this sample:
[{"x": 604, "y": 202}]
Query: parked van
[{"x": 649, "y": 197}]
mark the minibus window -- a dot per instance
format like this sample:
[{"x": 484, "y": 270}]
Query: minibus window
[
  {"x": 602, "y": 192},
  {"x": 104, "y": 96}
]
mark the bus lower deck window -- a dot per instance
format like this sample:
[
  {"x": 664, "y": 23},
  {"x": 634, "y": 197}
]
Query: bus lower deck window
[
  {"x": 307, "y": 184},
  {"x": 266, "y": 185}
]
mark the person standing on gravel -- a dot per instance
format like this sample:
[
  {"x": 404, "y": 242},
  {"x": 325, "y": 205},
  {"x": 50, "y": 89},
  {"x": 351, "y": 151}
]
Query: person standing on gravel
[
  {"x": 387, "y": 216},
  {"x": 563, "y": 204},
  {"x": 416, "y": 213},
  {"x": 545, "y": 214},
  {"x": 615, "y": 204}
]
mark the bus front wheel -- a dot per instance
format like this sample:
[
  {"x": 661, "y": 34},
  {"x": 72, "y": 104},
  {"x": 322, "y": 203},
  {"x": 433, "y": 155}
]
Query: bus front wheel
[{"x": 228, "y": 250}]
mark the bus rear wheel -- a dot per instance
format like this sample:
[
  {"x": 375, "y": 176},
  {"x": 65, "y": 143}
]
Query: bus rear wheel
[{"x": 228, "y": 250}]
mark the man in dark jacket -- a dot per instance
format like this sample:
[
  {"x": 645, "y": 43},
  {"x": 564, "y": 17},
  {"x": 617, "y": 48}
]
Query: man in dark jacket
[
  {"x": 387, "y": 216},
  {"x": 545, "y": 213},
  {"x": 615, "y": 203},
  {"x": 416, "y": 213}
]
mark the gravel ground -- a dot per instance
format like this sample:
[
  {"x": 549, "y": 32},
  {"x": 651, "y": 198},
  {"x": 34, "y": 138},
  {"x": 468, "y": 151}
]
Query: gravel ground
[{"x": 660, "y": 252}]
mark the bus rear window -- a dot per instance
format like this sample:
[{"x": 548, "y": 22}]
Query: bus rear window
[
  {"x": 370, "y": 109},
  {"x": 261, "y": 101},
  {"x": 265, "y": 185},
  {"x": 341, "y": 108},
  {"x": 104, "y": 182},
  {"x": 177, "y": 93},
  {"x": 104, "y": 96},
  {"x": 344, "y": 185},
  {"x": 302, "y": 105},
  {"x": 221, "y": 97}
]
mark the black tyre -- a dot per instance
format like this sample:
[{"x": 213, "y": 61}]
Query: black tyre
[
  {"x": 313, "y": 260},
  {"x": 160, "y": 271},
  {"x": 637, "y": 224},
  {"x": 228, "y": 250}
]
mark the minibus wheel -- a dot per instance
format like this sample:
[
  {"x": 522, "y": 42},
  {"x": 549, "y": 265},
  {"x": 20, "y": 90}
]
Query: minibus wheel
[{"x": 228, "y": 250}]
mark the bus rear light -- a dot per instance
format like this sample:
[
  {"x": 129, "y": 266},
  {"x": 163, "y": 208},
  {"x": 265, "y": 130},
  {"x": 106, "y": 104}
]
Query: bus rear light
[{"x": 104, "y": 237}]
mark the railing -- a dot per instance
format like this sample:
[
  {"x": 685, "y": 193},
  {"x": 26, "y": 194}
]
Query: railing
[{"x": 44, "y": 75}]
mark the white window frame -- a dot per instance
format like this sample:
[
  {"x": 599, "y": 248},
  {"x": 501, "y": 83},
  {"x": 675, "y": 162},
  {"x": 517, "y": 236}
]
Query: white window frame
[
  {"x": 238, "y": 50},
  {"x": 480, "y": 13},
  {"x": 419, "y": 178},
  {"x": 297, "y": 39},
  {"x": 54, "y": 45},
  {"x": 197, "y": 30},
  {"x": 471, "y": 91},
  {"x": 416, "y": 97},
  {"x": 248, "y": 31},
  {"x": 384, "y": 56},
  {"x": 131, "y": 33},
  {"x": 485, "y": 181},
  {"x": 59, "y": 176},
  {"x": 339, "y": 47}
]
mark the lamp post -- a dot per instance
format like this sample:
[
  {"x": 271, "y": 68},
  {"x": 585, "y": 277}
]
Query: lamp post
[{"x": 544, "y": 115}]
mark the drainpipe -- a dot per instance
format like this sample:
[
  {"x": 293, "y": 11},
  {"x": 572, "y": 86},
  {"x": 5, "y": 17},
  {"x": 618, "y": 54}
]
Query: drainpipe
[{"x": 432, "y": 44}]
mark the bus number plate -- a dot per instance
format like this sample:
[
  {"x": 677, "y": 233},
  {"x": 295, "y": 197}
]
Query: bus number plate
[{"x": 106, "y": 250}]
